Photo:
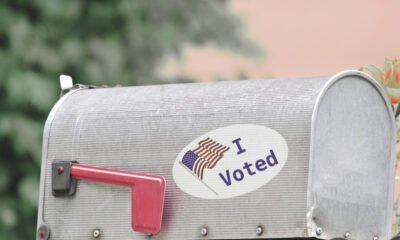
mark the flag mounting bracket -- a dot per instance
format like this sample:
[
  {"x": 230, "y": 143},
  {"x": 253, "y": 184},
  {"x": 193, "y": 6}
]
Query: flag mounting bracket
[{"x": 62, "y": 182}]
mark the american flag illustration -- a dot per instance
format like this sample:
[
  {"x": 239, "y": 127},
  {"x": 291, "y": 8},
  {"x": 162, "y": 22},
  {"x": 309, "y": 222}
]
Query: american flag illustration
[{"x": 206, "y": 155}]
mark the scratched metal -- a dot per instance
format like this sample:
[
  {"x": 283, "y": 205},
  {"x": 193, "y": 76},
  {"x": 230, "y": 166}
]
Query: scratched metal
[{"x": 338, "y": 176}]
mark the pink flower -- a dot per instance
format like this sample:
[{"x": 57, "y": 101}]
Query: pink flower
[{"x": 388, "y": 77}]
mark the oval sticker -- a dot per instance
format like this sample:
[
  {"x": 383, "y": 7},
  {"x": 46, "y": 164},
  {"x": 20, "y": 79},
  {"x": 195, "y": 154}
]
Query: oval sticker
[{"x": 230, "y": 161}]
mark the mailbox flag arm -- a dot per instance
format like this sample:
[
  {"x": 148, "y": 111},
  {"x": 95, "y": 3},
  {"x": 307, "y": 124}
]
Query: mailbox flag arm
[{"x": 148, "y": 192}]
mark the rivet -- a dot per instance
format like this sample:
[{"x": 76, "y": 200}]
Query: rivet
[
  {"x": 96, "y": 233},
  {"x": 259, "y": 230},
  {"x": 318, "y": 231},
  {"x": 43, "y": 233},
  {"x": 204, "y": 231},
  {"x": 375, "y": 238},
  {"x": 347, "y": 235},
  {"x": 60, "y": 169}
]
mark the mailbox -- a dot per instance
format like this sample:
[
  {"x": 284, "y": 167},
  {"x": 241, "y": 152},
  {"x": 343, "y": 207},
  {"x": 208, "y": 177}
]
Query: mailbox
[{"x": 308, "y": 158}]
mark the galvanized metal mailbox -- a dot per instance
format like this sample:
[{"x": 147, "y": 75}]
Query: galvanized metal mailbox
[{"x": 295, "y": 158}]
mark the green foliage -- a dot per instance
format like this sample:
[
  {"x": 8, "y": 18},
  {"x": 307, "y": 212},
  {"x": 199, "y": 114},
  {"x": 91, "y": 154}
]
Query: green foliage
[{"x": 97, "y": 42}]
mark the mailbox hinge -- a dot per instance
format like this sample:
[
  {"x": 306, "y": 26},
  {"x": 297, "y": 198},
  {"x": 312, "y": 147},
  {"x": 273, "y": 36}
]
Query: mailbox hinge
[{"x": 67, "y": 85}]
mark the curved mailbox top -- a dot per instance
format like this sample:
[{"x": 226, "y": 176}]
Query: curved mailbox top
[{"x": 296, "y": 157}]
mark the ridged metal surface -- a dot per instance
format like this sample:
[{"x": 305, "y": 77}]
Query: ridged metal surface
[
  {"x": 352, "y": 161},
  {"x": 143, "y": 129}
]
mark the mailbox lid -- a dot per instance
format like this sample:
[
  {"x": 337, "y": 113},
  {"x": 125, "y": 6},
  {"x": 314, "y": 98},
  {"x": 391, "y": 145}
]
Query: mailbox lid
[
  {"x": 144, "y": 129},
  {"x": 352, "y": 160}
]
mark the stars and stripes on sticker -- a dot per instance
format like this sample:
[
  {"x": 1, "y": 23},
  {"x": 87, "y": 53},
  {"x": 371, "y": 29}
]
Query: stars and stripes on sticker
[{"x": 206, "y": 155}]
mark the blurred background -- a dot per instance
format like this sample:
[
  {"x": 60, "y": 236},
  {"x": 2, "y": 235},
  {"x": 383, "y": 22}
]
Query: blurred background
[{"x": 141, "y": 42}]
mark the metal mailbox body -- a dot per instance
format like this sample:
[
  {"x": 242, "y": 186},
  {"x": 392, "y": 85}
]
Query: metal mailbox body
[{"x": 337, "y": 179}]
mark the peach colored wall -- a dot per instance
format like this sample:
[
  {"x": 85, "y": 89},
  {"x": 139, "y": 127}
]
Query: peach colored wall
[{"x": 303, "y": 38}]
